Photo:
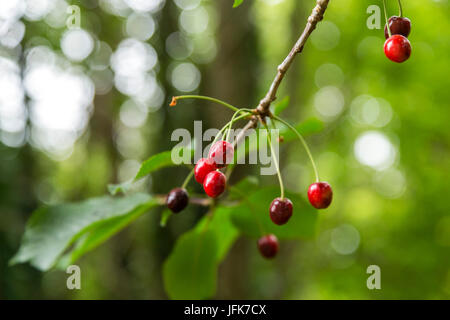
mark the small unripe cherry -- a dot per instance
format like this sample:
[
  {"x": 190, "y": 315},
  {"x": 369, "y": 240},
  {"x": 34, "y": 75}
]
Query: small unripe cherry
[
  {"x": 203, "y": 167},
  {"x": 214, "y": 183},
  {"x": 222, "y": 152},
  {"x": 177, "y": 200},
  {"x": 397, "y": 48},
  {"x": 320, "y": 195},
  {"x": 280, "y": 210},
  {"x": 268, "y": 246},
  {"x": 398, "y": 25}
]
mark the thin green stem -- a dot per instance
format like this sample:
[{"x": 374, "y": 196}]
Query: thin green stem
[
  {"x": 209, "y": 99},
  {"x": 386, "y": 19},
  {"x": 274, "y": 126},
  {"x": 304, "y": 144},
  {"x": 227, "y": 125},
  {"x": 229, "y": 171},
  {"x": 188, "y": 178},
  {"x": 275, "y": 160},
  {"x": 400, "y": 9}
]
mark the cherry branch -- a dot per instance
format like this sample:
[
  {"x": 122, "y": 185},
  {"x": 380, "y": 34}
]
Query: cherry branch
[{"x": 263, "y": 107}]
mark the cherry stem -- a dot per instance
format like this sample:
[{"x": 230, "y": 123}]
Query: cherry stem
[
  {"x": 228, "y": 124},
  {"x": 195, "y": 199},
  {"x": 207, "y": 98},
  {"x": 272, "y": 153},
  {"x": 305, "y": 145},
  {"x": 233, "y": 120},
  {"x": 188, "y": 178},
  {"x": 274, "y": 126},
  {"x": 400, "y": 8},
  {"x": 386, "y": 19}
]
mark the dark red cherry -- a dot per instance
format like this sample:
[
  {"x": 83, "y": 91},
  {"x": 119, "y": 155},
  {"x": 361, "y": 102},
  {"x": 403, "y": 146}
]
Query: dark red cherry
[
  {"x": 214, "y": 183},
  {"x": 398, "y": 25},
  {"x": 222, "y": 152},
  {"x": 397, "y": 48},
  {"x": 280, "y": 210},
  {"x": 203, "y": 167},
  {"x": 320, "y": 195},
  {"x": 268, "y": 246},
  {"x": 177, "y": 200}
]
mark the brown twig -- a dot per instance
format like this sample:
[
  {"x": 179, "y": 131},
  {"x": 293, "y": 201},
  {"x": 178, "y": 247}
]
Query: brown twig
[
  {"x": 200, "y": 201},
  {"x": 264, "y": 104}
]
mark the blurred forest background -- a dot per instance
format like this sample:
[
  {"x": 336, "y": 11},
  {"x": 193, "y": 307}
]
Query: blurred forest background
[{"x": 82, "y": 107}]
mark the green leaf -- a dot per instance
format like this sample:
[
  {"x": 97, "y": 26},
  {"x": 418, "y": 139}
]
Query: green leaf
[
  {"x": 190, "y": 272},
  {"x": 99, "y": 234},
  {"x": 115, "y": 189},
  {"x": 280, "y": 106},
  {"x": 237, "y": 3},
  {"x": 51, "y": 230},
  {"x": 223, "y": 228},
  {"x": 251, "y": 217},
  {"x": 247, "y": 185},
  {"x": 307, "y": 127},
  {"x": 154, "y": 163}
]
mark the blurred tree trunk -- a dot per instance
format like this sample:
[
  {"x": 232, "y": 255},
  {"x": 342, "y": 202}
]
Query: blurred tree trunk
[{"x": 231, "y": 77}]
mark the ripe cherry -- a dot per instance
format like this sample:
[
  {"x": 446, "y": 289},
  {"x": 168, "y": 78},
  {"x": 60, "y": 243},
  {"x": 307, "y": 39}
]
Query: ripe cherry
[
  {"x": 398, "y": 25},
  {"x": 268, "y": 246},
  {"x": 214, "y": 183},
  {"x": 280, "y": 210},
  {"x": 397, "y": 48},
  {"x": 320, "y": 195},
  {"x": 177, "y": 200},
  {"x": 203, "y": 167},
  {"x": 222, "y": 152}
]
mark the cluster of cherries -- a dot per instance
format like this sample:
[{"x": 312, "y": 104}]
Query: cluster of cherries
[
  {"x": 213, "y": 180},
  {"x": 397, "y": 46},
  {"x": 207, "y": 169},
  {"x": 320, "y": 195},
  {"x": 206, "y": 173}
]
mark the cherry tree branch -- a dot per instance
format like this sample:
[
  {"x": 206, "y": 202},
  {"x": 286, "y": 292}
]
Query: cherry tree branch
[{"x": 263, "y": 107}]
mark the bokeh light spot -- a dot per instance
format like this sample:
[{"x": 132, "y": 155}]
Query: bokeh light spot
[
  {"x": 77, "y": 44},
  {"x": 326, "y": 37},
  {"x": 329, "y": 102},
  {"x": 373, "y": 148},
  {"x": 345, "y": 239},
  {"x": 185, "y": 77}
]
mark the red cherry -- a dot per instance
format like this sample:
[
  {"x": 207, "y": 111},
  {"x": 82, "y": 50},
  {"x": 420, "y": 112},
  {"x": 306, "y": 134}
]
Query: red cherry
[
  {"x": 203, "y": 167},
  {"x": 222, "y": 152},
  {"x": 397, "y": 48},
  {"x": 398, "y": 25},
  {"x": 268, "y": 246},
  {"x": 320, "y": 195},
  {"x": 214, "y": 183},
  {"x": 177, "y": 200},
  {"x": 280, "y": 210}
]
